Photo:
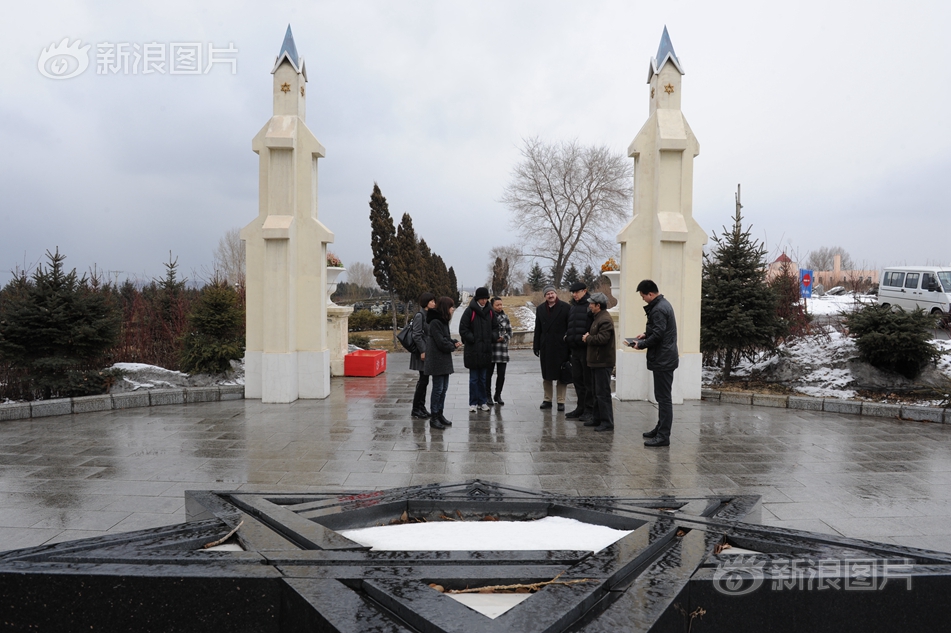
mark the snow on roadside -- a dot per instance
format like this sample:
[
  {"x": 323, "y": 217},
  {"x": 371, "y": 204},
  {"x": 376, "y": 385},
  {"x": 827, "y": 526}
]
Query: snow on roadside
[
  {"x": 836, "y": 304},
  {"x": 137, "y": 376},
  {"x": 816, "y": 365}
]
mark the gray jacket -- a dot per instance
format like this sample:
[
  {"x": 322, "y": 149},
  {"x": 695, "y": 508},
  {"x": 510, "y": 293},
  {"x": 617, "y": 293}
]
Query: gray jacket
[
  {"x": 418, "y": 327},
  {"x": 660, "y": 336}
]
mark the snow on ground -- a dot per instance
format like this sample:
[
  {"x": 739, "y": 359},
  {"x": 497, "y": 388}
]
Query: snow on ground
[
  {"x": 141, "y": 376},
  {"x": 816, "y": 365},
  {"x": 525, "y": 317},
  {"x": 549, "y": 533},
  {"x": 831, "y": 305}
]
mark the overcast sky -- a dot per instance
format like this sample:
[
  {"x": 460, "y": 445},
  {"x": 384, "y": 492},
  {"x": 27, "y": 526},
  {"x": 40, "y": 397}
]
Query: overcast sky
[{"x": 833, "y": 116}]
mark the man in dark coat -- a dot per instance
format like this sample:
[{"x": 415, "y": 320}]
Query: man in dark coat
[
  {"x": 579, "y": 321},
  {"x": 551, "y": 325},
  {"x": 602, "y": 350},
  {"x": 478, "y": 330},
  {"x": 660, "y": 341}
]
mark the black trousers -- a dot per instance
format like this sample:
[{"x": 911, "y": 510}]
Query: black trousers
[
  {"x": 583, "y": 380},
  {"x": 663, "y": 383},
  {"x": 419, "y": 396},
  {"x": 499, "y": 380},
  {"x": 602, "y": 394}
]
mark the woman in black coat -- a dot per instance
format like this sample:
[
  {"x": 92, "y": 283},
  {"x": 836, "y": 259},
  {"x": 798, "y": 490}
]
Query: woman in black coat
[
  {"x": 478, "y": 330},
  {"x": 438, "y": 362}
]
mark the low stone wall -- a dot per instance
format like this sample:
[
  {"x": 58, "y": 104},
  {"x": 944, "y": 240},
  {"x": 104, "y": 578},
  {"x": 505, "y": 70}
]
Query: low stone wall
[
  {"x": 124, "y": 400},
  {"x": 522, "y": 339},
  {"x": 831, "y": 405}
]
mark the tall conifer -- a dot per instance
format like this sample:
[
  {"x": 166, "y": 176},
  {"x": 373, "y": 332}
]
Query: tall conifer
[
  {"x": 738, "y": 308},
  {"x": 383, "y": 245}
]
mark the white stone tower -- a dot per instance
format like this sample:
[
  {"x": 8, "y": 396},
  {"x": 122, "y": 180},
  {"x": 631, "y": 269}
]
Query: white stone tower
[
  {"x": 662, "y": 241},
  {"x": 287, "y": 355}
]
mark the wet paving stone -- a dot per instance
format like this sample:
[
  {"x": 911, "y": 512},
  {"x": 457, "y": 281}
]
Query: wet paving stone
[{"x": 836, "y": 472}]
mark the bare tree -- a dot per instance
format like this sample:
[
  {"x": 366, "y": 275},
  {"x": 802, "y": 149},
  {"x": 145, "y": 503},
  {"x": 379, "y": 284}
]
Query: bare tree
[
  {"x": 822, "y": 258},
  {"x": 229, "y": 259},
  {"x": 361, "y": 274},
  {"x": 567, "y": 200}
]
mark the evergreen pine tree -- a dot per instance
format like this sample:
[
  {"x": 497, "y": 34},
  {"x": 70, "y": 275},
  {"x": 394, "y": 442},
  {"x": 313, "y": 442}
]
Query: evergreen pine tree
[
  {"x": 442, "y": 284},
  {"x": 407, "y": 267},
  {"x": 738, "y": 309},
  {"x": 536, "y": 277},
  {"x": 55, "y": 328},
  {"x": 571, "y": 276},
  {"x": 589, "y": 277},
  {"x": 383, "y": 245},
  {"x": 453, "y": 286},
  {"x": 215, "y": 334},
  {"x": 499, "y": 276}
]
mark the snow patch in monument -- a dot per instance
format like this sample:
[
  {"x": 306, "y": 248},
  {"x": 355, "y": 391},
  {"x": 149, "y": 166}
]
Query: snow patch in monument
[{"x": 549, "y": 533}]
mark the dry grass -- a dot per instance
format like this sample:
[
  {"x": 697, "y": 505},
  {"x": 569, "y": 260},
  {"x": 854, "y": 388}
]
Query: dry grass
[{"x": 382, "y": 339}]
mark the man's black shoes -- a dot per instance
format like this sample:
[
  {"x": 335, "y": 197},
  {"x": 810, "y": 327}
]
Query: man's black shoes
[
  {"x": 574, "y": 414},
  {"x": 651, "y": 434},
  {"x": 546, "y": 405},
  {"x": 591, "y": 422},
  {"x": 604, "y": 427},
  {"x": 657, "y": 441},
  {"x": 561, "y": 407},
  {"x": 587, "y": 416}
]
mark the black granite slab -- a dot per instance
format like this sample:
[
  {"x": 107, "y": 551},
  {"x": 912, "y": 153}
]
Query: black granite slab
[{"x": 296, "y": 572}]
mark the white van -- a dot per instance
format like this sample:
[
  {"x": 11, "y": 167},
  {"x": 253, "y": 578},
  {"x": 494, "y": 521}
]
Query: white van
[{"x": 911, "y": 287}]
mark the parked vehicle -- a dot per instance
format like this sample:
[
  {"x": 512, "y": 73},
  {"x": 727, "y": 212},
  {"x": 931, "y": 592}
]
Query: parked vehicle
[{"x": 911, "y": 287}]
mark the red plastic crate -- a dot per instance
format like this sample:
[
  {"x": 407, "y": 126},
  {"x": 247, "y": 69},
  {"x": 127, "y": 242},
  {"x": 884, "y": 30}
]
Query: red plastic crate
[{"x": 364, "y": 362}]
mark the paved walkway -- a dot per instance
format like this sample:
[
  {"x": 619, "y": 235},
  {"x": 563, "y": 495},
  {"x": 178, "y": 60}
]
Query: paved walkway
[{"x": 75, "y": 476}]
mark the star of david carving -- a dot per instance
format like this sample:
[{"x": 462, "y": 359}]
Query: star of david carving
[
  {"x": 297, "y": 572},
  {"x": 285, "y": 87},
  {"x": 652, "y": 92},
  {"x": 302, "y": 91},
  {"x": 669, "y": 88}
]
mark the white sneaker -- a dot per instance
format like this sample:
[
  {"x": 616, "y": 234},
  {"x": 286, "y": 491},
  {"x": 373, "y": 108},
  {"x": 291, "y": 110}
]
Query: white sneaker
[
  {"x": 484, "y": 407},
  {"x": 473, "y": 408}
]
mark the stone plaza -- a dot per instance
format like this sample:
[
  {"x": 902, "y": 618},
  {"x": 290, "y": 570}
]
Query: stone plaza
[{"x": 82, "y": 475}]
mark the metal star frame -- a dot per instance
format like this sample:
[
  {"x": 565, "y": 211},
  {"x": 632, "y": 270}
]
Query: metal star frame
[{"x": 674, "y": 571}]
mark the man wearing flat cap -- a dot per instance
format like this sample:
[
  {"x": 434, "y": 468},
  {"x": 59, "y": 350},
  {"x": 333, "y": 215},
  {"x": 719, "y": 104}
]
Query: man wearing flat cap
[
  {"x": 601, "y": 356},
  {"x": 579, "y": 321},
  {"x": 551, "y": 324}
]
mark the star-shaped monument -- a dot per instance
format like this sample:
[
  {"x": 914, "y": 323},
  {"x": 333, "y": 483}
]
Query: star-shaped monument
[
  {"x": 289, "y": 568},
  {"x": 285, "y": 87}
]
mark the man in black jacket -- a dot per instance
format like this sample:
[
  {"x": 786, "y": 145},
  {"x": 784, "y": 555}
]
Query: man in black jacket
[
  {"x": 660, "y": 341},
  {"x": 478, "y": 330},
  {"x": 579, "y": 322},
  {"x": 551, "y": 324}
]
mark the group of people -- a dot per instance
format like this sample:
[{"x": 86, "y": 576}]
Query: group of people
[
  {"x": 484, "y": 328},
  {"x": 575, "y": 343}
]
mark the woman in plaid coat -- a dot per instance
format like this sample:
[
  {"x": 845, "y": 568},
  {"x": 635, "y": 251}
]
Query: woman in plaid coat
[{"x": 500, "y": 352}]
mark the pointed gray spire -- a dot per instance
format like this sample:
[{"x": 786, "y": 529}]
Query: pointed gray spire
[
  {"x": 288, "y": 52},
  {"x": 664, "y": 52}
]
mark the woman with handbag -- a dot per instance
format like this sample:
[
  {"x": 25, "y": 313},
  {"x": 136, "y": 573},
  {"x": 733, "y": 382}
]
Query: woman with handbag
[{"x": 417, "y": 358}]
